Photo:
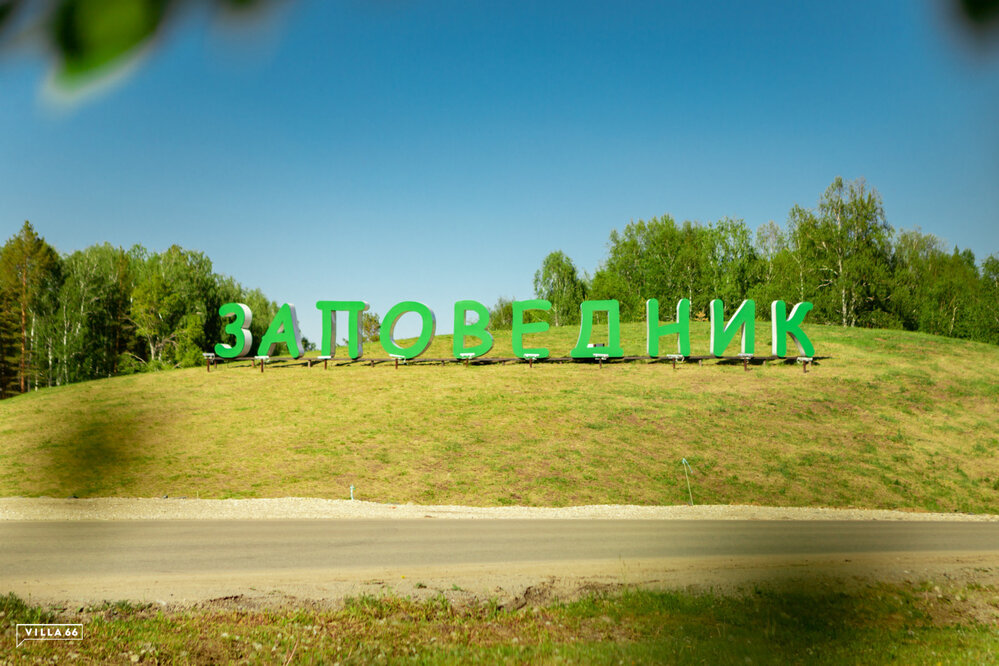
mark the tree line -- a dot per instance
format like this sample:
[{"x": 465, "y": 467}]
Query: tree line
[
  {"x": 842, "y": 255},
  {"x": 105, "y": 311}
]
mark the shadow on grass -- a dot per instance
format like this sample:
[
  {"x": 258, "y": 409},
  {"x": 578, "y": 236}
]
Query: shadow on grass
[
  {"x": 798, "y": 624},
  {"x": 816, "y": 621},
  {"x": 96, "y": 455}
]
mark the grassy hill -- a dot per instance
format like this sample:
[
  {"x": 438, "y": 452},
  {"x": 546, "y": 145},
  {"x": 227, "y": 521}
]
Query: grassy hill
[{"x": 889, "y": 420}]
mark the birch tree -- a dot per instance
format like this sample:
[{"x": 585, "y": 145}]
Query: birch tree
[{"x": 846, "y": 243}]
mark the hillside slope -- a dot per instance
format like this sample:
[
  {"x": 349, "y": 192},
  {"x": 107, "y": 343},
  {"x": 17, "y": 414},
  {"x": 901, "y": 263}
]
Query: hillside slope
[{"x": 888, "y": 420}]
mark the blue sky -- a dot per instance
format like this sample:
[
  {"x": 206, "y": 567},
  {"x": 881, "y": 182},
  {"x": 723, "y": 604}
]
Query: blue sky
[{"x": 391, "y": 150}]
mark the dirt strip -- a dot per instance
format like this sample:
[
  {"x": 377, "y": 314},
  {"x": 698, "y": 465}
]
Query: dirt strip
[
  {"x": 514, "y": 585},
  {"x": 287, "y": 508}
]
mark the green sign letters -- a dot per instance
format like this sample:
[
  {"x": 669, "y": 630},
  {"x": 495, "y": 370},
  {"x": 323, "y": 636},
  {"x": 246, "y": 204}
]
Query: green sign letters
[{"x": 283, "y": 329}]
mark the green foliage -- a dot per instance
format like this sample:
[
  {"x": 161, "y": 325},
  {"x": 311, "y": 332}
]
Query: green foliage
[
  {"x": 104, "y": 311},
  {"x": 30, "y": 274},
  {"x": 989, "y": 298},
  {"x": 501, "y": 315},
  {"x": 936, "y": 291},
  {"x": 660, "y": 259},
  {"x": 91, "y": 38},
  {"x": 846, "y": 249},
  {"x": 90, "y": 34},
  {"x": 371, "y": 326},
  {"x": 558, "y": 282},
  {"x": 731, "y": 260},
  {"x": 8, "y": 342},
  {"x": 842, "y": 256},
  {"x": 175, "y": 306},
  {"x": 90, "y": 330}
]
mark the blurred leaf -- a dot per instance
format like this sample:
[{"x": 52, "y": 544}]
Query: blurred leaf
[
  {"x": 981, "y": 11},
  {"x": 7, "y": 9},
  {"x": 89, "y": 35}
]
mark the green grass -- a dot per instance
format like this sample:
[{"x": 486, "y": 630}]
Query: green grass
[
  {"x": 877, "y": 623},
  {"x": 889, "y": 420}
]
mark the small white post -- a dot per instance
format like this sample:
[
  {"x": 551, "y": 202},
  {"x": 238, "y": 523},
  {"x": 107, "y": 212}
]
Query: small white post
[{"x": 352, "y": 493}]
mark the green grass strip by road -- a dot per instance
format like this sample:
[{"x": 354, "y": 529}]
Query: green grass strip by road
[{"x": 879, "y": 623}]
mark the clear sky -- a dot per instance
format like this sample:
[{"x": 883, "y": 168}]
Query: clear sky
[{"x": 388, "y": 150}]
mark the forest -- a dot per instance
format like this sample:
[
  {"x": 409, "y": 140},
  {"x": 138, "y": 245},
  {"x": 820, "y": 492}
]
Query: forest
[
  {"x": 842, "y": 255},
  {"x": 106, "y": 311}
]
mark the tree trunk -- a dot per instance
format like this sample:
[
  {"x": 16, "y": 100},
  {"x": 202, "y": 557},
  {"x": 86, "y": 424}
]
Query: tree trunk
[
  {"x": 22, "y": 368},
  {"x": 3, "y": 365},
  {"x": 839, "y": 261},
  {"x": 65, "y": 345},
  {"x": 32, "y": 375},
  {"x": 842, "y": 292},
  {"x": 48, "y": 375}
]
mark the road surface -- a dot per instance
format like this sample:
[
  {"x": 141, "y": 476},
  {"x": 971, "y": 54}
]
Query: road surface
[{"x": 179, "y": 561}]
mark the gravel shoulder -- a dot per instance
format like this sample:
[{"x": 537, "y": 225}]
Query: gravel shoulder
[{"x": 287, "y": 508}]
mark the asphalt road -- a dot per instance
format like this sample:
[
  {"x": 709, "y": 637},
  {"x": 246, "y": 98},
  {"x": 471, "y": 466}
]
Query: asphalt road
[{"x": 191, "y": 560}]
